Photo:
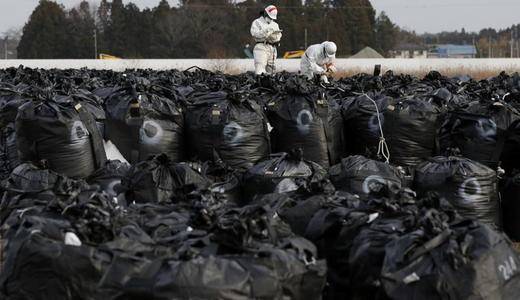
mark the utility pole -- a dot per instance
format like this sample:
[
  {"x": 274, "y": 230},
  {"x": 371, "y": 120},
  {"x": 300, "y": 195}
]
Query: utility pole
[
  {"x": 512, "y": 42},
  {"x": 5, "y": 46},
  {"x": 95, "y": 45},
  {"x": 305, "y": 38},
  {"x": 489, "y": 47},
  {"x": 327, "y": 24},
  {"x": 516, "y": 41}
]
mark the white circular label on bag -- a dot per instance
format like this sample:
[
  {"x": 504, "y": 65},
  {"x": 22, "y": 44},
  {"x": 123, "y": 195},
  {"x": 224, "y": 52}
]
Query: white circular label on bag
[
  {"x": 233, "y": 133},
  {"x": 487, "y": 129},
  {"x": 371, "y": 181},
  {"x": 151, "y": 132},
  {"x": 79, "y": 131},
  {"x": 303, "y": 121},
  {"x": 110, "y": 189},
  {"x": 470, "y": 190}
]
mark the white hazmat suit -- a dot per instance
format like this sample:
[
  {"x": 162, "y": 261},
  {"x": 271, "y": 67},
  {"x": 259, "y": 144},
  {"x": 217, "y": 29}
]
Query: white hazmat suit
[
  {"x": 317, "y": 60},
  {"x": 267, "y": 34}
]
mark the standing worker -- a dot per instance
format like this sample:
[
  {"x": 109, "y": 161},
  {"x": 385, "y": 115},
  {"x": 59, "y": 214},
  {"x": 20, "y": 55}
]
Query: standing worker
[
  {"x": 267, "y": 35},
  {"x": 319, "y": 59}
]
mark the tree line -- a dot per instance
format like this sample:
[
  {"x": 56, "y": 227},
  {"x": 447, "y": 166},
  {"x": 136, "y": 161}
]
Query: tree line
[
  {"x": 220, "y": 29},
  {"x": 198, "y": 28}
]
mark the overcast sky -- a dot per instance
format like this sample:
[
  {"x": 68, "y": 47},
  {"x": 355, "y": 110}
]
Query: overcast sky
[{"x": 419, "y": 15}]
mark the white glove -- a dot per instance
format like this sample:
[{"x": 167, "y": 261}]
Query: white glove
[
  {"x": 274, "y": 37},
  {"x": 319, "y": 70},
  {"x": 324, "y": 79}
]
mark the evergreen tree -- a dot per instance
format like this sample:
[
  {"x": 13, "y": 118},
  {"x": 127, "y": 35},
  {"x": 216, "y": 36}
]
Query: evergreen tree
[
  {"x": 135, "y": 33},
  {"x": 386, "y": 34},
  {"x": 45, "y": 34},
  {"x": 116, "y": 32},
  {"x": 81, "y": 31},
  {"x": 200, "y": 28},
  {"x": 163, "y": 33},
  {"x": 103, "y": 23},
  {"x": 361, "y": 18}
]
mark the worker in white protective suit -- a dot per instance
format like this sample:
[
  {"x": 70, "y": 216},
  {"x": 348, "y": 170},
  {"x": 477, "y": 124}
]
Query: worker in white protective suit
[
  {"x": 319, "y": 60},
  {"x": 267, "y": 35}
]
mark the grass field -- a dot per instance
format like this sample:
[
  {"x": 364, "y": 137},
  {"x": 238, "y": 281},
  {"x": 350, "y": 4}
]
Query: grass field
[{"x": 477, "y": 68}]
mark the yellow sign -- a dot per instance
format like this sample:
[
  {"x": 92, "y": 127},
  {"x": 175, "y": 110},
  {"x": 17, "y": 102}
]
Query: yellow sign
[
  {"x": 294, "y": 54},
  {"x": 106, "y": 56}
]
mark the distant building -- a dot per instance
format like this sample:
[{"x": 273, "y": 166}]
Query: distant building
[
  {"x": 410, "y": 51},
  {"x": 8, "y": 51},
  {"x": 453, "y": 51}
]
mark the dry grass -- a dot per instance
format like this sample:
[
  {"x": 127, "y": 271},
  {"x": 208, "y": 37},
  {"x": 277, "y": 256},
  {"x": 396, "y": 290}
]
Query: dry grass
[
  {"x": 449, "y": 72},
  {"x": 227, "y": 66},
  {"x": 222, "y": 65}
]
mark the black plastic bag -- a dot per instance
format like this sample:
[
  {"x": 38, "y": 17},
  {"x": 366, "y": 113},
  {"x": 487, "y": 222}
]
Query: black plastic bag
[
  {"x": 270, "y": 273},
  {"x": 226, "y": 182},
  {"x": 307, "y": 119},
  {"x": 467, "y": 261},
  {"x": 359, "y": 175},
  {"x": 8, "y": 150},
  {"x": 284, "y": 173},
  {"x": 40, "y": 263},
  {"x": 35, "y": 185},
  {"x": 367, "y": 253},
  {"x": 362, "y": 125},
  {"x": 142, "y": 123},
  {"x": 480, "y": 132},
  {"x": 469, "y": 186},
  {"x": 159, "y": 180},
  {"x": 509, "y": 158},
  {"x": 511, "y": 207},
  {"x": 333, "y": 230},
  {"x": 297, "y": 213},
  {"x": 109, "y": 177},
  {"x": 62, "y": 132},
  {"x": 244, "y": 227},
  {"x": 10, "y": 101},
  {"x": 410, "y": 129},
  {"x": 227, "y": 126}
]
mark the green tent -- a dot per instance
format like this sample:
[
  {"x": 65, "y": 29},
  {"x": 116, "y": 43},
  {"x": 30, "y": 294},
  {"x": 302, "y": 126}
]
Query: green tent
[{"x": 367, "y": 52}]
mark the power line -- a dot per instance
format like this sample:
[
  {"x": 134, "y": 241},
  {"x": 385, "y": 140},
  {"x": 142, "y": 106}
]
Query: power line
[{"x": 431, "y": 5}]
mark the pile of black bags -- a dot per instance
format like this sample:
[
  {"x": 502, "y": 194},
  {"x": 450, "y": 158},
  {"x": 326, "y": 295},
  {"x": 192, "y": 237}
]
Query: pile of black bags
[{"x": 198, "y": 185}]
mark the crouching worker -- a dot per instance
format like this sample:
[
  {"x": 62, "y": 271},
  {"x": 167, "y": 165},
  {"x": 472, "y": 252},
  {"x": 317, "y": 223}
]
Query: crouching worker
[
  {"x": 319, "y": 60},
  {"x": 267, "y": 35}
]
